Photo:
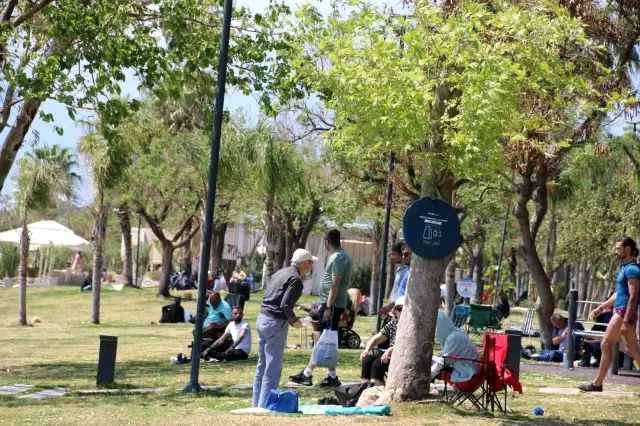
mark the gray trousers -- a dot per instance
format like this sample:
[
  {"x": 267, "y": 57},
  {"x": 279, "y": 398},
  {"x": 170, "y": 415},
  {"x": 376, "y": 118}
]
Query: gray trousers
[{"x": 272, "y": 340}]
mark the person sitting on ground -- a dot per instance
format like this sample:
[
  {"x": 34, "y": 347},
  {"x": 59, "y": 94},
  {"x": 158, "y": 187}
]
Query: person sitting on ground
[
  {"x": 218, "y": 317},
  {"x": 502, "y": 309},
  {"x": 455, "y": 343},
  {"x": 559, "y": 340},
  {"x": 239, "y": 331},
  {"x": 87, "y": 285},
  {"x": 374, "y": 367}
]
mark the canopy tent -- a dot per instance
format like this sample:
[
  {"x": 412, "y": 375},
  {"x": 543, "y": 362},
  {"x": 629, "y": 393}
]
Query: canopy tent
[{"x": 46, "y": 233}]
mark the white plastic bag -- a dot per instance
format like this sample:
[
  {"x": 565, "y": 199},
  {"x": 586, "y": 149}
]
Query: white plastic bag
[{"x": 325, "y": 353}]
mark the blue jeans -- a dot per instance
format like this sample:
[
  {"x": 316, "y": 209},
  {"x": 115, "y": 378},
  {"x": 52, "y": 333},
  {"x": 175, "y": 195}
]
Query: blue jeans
[
  {"x": 550, "y": 355},
  {"x": 272, "y": 339}
]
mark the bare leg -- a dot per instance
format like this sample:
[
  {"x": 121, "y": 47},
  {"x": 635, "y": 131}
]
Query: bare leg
[
  {"x": 611, "y": 337},
  {"x": 630, "y": 340}
]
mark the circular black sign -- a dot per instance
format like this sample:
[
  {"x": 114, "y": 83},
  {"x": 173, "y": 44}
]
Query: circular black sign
[{"x": 431, "y": 228}]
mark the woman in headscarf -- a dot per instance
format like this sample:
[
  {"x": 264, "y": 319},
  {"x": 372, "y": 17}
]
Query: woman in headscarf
[{"x": 455, "y": 343}]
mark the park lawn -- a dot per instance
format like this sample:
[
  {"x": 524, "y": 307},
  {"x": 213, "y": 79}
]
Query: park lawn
[{"x": 62, "y": 350}]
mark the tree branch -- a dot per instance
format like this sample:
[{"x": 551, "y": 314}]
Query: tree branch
[
  {"x": 31, "y": 12},
  {"x": 189, "y": 237},
  {"x": 8, "y": 11},
  {"x": 154, "y": 225}
]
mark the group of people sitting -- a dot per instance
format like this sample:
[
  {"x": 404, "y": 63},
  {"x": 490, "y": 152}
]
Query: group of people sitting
[{"x": 376, "y": 356}]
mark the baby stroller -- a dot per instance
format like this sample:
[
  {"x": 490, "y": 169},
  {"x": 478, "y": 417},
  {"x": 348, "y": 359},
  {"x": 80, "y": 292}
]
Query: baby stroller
[{"x": 347, "y": 337}]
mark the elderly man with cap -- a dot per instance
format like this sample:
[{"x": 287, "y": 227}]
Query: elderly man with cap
[
  {"x": 374, "y": 367},
  {"x": 277, "y": 310}
]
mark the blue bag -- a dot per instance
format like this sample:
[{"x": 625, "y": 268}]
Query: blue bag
[{"x": 282, "y": 401}]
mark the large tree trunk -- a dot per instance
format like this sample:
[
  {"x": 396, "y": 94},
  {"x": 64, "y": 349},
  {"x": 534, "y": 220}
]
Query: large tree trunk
[
  {"x": 477, "y": 298},
  {"x": 376, "y": 240},
  {"x": 410, "y": 368},
  {"x": 99, "y": 231},
  {"x": 270, "y": 235},
  {"x": 545, "y": 303},
  {"x": 124, "y": 216},
  {"x": 217, "y": 246},
  {"x": 165, "y": 270},
  {"x": 391, "y": 267},
  {"x": 551, "y": 240},
  {"x": 24, "y": 259},
  {"x": 281, "y": 250}
]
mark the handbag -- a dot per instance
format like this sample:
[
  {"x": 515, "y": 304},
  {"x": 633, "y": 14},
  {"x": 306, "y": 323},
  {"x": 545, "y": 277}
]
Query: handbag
[{"x": 282, "y": 401}]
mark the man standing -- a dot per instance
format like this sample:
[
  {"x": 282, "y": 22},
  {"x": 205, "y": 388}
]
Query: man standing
[
  {"x": 333, "y": 298},
  {"x": 240, "y": 332},
  {"x": 625, "y": 304},
  {"x": 283, "y": 291},
  {"x": 401, "y": 273}
]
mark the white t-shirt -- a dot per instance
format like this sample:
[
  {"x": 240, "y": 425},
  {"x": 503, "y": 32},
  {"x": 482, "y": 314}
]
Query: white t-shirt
[{"x": 234, "y": 330}]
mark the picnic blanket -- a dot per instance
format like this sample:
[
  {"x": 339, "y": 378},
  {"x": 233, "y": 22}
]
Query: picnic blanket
[{"x": 322, "y": 410}]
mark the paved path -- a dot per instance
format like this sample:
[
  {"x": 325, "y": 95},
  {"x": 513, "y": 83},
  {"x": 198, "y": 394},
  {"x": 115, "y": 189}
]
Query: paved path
[{"x": 583, "y": 373}]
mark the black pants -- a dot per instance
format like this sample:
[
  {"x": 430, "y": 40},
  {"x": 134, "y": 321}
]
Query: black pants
[
  {"x": 373, "y": 368},
  {"x": 212, "y": 333},
  {"x": 236, "y": 355}
]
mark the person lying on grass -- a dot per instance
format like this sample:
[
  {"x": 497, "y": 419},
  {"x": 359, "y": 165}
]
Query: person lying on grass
[
  {"x": 240, "y": 332},
  {"x": 374, "y": 367}
]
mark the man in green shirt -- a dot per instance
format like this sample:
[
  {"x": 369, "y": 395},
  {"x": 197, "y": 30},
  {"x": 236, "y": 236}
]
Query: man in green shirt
[{"x": 333, "y": 298}]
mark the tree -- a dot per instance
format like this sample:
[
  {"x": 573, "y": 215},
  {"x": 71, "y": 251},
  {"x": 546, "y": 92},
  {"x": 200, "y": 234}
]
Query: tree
[
  {"x": 445, "y": 86},
  {"x": 108, "y": 157},
  {"x": 78, "y": 54},
  {"x": 44, "y": 175},
  {"x": 124, "y": 216}
]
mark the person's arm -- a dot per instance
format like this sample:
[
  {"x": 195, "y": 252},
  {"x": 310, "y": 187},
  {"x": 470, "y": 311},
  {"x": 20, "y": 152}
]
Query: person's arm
[
  {"x": 235, "y": 344},
  {"x": 242, "y": 275},
  {"x": 632, "y": 304},
  {"x": 374, "y": 341},
  {"x": 386, "y": 356},
  {"x": 604, "y": 307},
  {"x": 333, "y": 291},
  {"x": 559, "y": 338},
  {"x": 290, "y": 298},
  {"x": 218, "y": 342}
]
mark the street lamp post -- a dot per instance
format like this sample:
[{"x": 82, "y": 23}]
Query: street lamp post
[{"x": 193, "y": 385}]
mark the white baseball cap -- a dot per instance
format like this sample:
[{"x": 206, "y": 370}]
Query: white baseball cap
[
  {"x": 399, "y": 301},
  {"x": 301, "y": 255}
]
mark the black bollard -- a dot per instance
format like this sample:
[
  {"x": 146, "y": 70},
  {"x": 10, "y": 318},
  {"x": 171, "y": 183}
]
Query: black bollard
[
  {"x": 107, "y": 359},
  {"x": 615, "y": 359},
  {"x": 570, "y": 350},
  {"x": 514, "y": 350}
]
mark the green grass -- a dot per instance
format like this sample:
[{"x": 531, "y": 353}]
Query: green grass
[{"x": 62, "y": 350}]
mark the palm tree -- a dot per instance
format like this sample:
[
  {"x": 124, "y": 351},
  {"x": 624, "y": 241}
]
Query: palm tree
[
  {"x": 44, "y": 175},
  {"x": 108, "y": 157}
]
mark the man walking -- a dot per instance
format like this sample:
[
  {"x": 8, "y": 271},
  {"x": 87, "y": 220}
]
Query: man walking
[
  {"x": 282, "y": 293},
  {"x": 625, "y": 304},
  {"x": 333, "y": 298}
]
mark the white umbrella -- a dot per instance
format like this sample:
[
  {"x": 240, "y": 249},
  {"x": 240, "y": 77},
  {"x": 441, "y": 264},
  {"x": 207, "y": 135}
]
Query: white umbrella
[{"x": 46, "y": 233}]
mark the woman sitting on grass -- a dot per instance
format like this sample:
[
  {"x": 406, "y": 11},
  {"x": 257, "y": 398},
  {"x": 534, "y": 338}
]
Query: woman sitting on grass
[{"x": 374, "y": 367}]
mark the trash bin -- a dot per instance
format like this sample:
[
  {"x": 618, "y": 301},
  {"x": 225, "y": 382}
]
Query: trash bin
[{"x": 107, "y": 359}]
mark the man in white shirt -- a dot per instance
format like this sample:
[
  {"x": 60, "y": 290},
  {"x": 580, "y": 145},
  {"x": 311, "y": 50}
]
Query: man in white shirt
[{"x": 240, "y": 333}]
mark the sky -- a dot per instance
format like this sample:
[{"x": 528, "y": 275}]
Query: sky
[{"x": 72, "y": 132}]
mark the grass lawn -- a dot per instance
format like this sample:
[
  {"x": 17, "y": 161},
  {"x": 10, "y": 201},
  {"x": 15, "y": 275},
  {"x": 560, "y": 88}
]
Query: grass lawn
[{"x": 62, "y": 350}]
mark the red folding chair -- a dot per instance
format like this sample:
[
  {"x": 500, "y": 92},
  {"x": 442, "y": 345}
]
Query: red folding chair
[{"x": 493, "y": 377}]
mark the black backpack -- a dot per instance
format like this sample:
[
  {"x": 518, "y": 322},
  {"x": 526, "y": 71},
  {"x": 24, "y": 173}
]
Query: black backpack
[
  {"x": 173, "y": 313},
  {"x": 348, "y": 395}
]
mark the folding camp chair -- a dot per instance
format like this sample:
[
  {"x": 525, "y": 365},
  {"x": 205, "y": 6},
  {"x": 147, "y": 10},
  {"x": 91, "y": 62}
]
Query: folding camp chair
[
  {"x": 494, "y": 376},
  {"x": 527, "y": 324},
  {"x": 481, "y": 318},
  {"x": 460, "y": 315}
]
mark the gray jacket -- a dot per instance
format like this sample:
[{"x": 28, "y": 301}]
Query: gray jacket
[{"x": 282, "y": 293}]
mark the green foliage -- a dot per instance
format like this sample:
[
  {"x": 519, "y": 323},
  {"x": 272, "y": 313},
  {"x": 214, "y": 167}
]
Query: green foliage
[
  {"x": 361, "y": 277},
  {"x": 449, "y": 89},
  {"x": 145, "y": 258},
  {"x": 9, "y": 260}
]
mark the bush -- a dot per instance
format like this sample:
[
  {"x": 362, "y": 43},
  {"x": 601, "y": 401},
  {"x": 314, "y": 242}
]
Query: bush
[{"x": 9, "y": 260}]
